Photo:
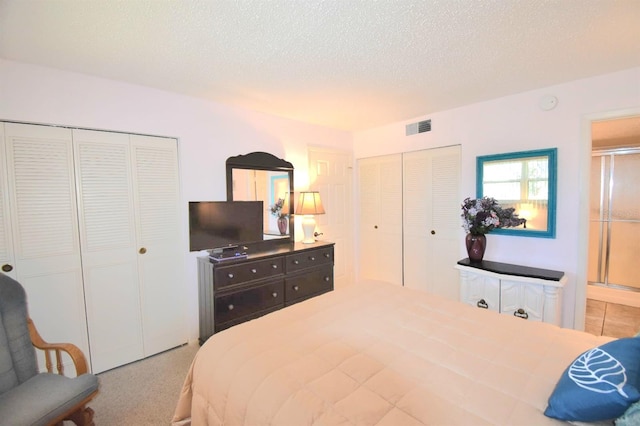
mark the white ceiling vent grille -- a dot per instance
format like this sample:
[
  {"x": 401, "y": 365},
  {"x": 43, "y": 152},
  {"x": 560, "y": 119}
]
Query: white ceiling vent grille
[{"x": 419, "y": 127}]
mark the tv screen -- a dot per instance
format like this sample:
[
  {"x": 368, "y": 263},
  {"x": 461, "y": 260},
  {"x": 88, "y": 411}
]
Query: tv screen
[{"x": 217, "y": 224}]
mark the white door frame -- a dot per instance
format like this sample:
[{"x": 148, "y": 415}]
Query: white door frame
[{"x": 583, "y": 218}]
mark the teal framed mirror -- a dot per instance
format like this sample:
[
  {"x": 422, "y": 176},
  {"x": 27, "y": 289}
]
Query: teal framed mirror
[{"x": 527, "y": 182}]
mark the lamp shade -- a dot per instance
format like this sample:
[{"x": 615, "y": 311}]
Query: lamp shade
[{"x": 309, "y": 202}]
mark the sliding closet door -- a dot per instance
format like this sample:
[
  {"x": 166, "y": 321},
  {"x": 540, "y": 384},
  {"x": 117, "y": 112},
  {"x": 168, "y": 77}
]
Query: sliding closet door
[
  {"x": 380, "y": 231},
  {"x": 431, "y": 220},
  {"x": 109, "y": 249},
  {"x": 156, "y": 195},
  {"x": 46, "y": 245}
]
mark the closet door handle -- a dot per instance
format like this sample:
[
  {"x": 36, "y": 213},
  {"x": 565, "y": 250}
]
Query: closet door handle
[
  {"x": 7, "y": 268},
  {"x": 142, "y": 250}
]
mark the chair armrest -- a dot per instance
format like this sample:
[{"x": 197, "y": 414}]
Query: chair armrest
[{"x": 79, "y": 361}]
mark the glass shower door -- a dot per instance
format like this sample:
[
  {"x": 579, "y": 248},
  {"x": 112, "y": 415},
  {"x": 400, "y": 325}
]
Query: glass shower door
[{"x": 614, "y": 240}]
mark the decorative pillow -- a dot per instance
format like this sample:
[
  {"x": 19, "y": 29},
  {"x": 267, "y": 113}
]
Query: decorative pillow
[
  {"x": 631, "y": 417},
  {"x": 600, "y": 384}
]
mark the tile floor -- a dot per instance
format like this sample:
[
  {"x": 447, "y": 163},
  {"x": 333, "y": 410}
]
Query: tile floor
[{"x": 611, "y": 319}]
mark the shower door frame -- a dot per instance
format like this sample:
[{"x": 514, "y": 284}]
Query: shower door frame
[{"x": 603, "y": 278}]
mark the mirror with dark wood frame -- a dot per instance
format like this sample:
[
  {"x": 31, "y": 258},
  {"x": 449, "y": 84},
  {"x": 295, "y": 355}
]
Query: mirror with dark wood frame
[{"x": 260, "y": 176}]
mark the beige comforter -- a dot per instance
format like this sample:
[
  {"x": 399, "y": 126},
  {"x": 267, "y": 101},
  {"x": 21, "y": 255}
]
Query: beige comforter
[{"x": 378, "y": 354}]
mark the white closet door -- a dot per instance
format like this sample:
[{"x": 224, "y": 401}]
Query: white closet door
[
  {"x": 156, "y": 195},
  {"x": 7, "y": 262},
  {"x": 432, "y": 220},
  {"x": 45, "y": 229},
  {"x": 109, "y": 250},
  {"x": 380, "y": 231}
]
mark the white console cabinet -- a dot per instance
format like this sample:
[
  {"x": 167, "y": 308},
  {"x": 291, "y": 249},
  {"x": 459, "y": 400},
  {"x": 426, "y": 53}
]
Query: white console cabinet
[{"x": 525, "y": 292}]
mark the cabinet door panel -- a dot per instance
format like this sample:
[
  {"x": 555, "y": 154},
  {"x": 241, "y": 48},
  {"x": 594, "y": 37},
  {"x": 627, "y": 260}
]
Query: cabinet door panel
[
  {"x": 525, "y": 296},
  {"x": 480, "y": 291}
]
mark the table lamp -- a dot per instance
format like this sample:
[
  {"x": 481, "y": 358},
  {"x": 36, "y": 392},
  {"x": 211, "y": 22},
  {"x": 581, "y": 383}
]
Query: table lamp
[{"x": 309, "y": 204}]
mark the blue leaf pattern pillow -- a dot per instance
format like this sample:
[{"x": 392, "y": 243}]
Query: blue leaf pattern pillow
[{"x": 600, "y": 384}]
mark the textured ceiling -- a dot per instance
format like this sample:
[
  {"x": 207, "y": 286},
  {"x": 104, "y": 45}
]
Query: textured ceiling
[{"x": 348, "y": 64}]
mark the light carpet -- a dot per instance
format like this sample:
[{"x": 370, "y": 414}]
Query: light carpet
[{"x": 144, "y": 392}]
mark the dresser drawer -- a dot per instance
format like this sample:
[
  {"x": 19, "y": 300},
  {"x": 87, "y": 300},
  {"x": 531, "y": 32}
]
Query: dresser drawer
[
  {"x": 246, "y": 303},
  {"x": 308, "y": 283},
  {"x": 309, "y": 259},
  {"x": 226, "y": 276}
]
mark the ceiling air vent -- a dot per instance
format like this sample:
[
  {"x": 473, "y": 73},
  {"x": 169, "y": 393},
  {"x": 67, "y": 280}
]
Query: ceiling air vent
[{"x": 419, "y": 127}]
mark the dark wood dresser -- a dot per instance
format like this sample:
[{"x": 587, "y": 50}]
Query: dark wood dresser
[{"x": 235, "y": 291}]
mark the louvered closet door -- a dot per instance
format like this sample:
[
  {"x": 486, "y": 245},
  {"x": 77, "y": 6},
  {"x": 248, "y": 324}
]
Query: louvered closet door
[
  {"x": 380, "y": 220},
  {"x": 431, "y": 228},
  {"x": 7, "y": 262},
  {"x": 45, "y": 229},
  {"x": 156, "y": 195},
  {"x": 109, "y": 249}
]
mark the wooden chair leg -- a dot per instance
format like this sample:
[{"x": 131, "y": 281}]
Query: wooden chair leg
[{"x": 82, "y": 417}]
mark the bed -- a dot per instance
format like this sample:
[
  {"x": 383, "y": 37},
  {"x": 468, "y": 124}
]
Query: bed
[{"x": 378, "y": 354}]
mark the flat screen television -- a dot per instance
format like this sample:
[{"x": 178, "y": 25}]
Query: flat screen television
[{"x": 219, "y": 224}]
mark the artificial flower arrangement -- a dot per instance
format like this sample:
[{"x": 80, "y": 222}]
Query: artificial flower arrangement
[
  {"x": 480, "y": 216},
  {"x": 276, "y": 209}
]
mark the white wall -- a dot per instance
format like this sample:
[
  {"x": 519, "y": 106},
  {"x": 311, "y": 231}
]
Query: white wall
[
  {"x": 516, "y": 123},
  {"x": 208, "y": 132}
]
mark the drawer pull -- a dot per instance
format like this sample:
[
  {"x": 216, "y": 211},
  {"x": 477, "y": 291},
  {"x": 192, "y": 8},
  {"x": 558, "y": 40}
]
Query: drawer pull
[
  {"x": 7, "y": 268},
  {"x": 274, "y": 294},
  {"x": 296, "y": 288},
  {"x": 253, "y": 270},
  {"x": 521, "y": 313},
  {"x": 231, "y": 306},
  {"x": 482, "y": 304},
  {"x": 230, "y": 275},
  {"x": 274, "y": 266},
  {"x": 295, "y": 262},
  {"x": 327, "y": 255},
  {"x": 311, "y": 258},
  {"x": 327, "y": 279}
]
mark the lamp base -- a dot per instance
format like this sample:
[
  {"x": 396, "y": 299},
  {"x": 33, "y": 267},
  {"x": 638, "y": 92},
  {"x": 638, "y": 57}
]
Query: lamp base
[{"x": 308, "y": 228}]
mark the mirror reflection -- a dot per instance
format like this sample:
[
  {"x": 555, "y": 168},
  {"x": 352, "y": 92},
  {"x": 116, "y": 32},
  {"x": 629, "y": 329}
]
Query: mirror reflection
[
  {"x": 525, "y": 181},
  {"x": 270, "y": 187}
]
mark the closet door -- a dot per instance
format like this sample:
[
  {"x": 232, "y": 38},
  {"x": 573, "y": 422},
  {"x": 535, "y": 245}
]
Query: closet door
[
  {"x": 431, "y": 216},
  {"x": 380, "y": 232},
  {"x": 157, "y": 200},
  {"x": 109, "y": 249},
  {"x": 7, "y": 262},
  {"x": 46, "y": 247}
]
